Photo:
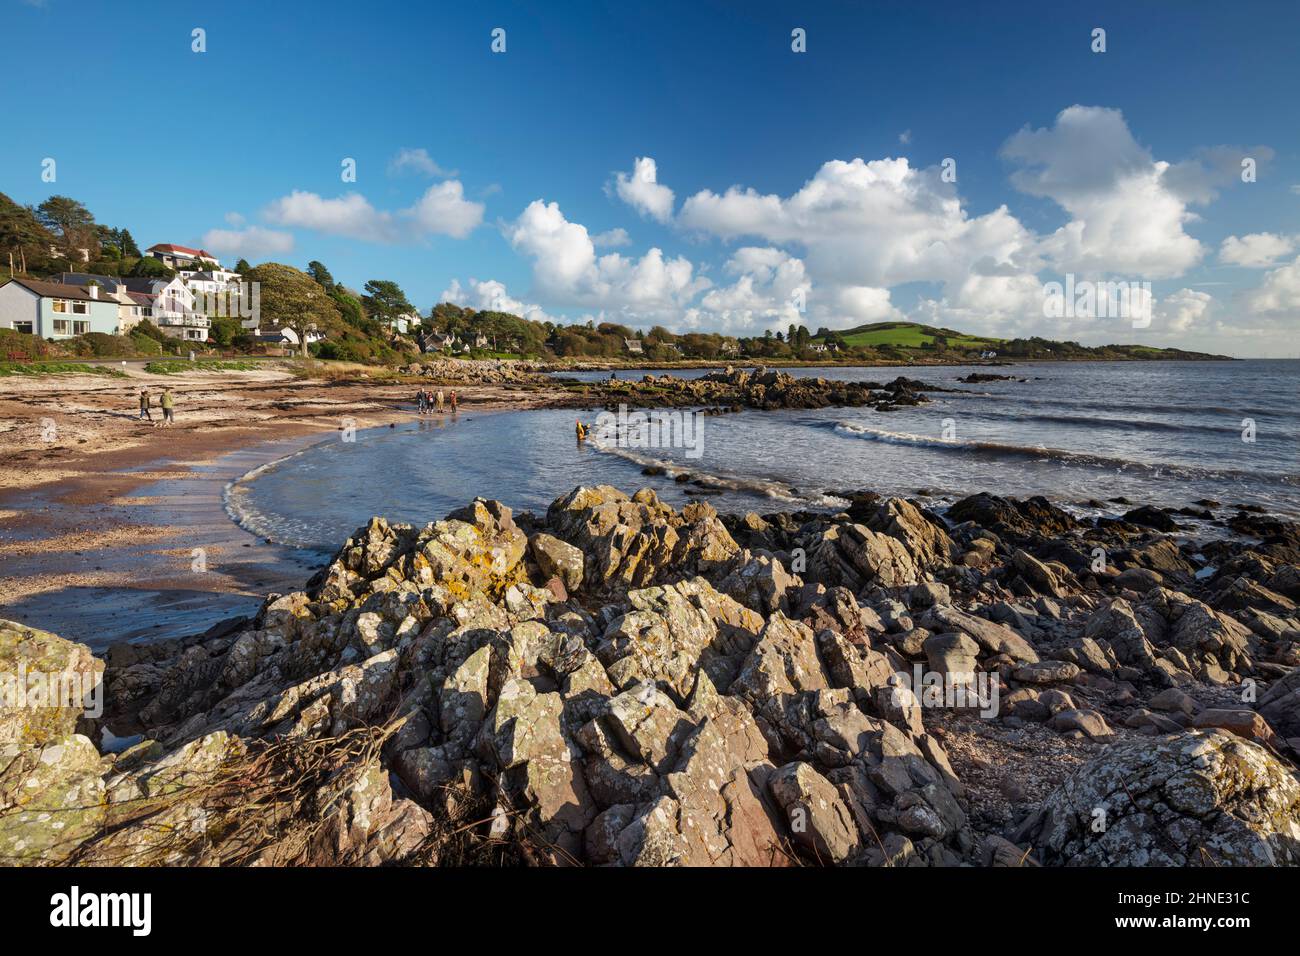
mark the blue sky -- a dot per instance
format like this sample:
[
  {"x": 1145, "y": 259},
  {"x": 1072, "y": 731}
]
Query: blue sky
[{"x": 1128, "y": 169}]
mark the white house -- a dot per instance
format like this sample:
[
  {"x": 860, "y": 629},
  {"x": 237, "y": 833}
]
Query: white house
[
  {"x": 171, "y": 307},
  {"x": 634, "y": 346},
  {"x": 287, "y": 336},
  {"x": 210, "y": 282},
  {"x": 130, "y": 310},
  {"x": 406, "y": 321}
]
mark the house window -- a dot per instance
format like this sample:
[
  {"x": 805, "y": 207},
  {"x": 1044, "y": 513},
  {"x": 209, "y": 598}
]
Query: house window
[
  {"x": 60, "y": 326},
  {"x": 79, "y": 308},
  {"x": 25, "y": 327},
  {"x": 80, "y": 327},
  {"x": 60, "y": 306}
]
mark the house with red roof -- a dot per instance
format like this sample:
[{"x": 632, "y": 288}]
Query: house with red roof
[{"x": 181, "y": 257}]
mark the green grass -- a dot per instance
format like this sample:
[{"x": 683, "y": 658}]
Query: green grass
[
  {"x": 57, "y": 368},
  {"x": 910, "y": 335},
  {"x": 179, "y": 366}
]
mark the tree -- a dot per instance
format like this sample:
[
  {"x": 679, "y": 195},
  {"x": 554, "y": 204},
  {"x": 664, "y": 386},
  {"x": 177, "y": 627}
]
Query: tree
[
  {"x": 150, "y": 268},
  {"x": 243, "y": 267},
  {"x": 351, "y": 310},
  {"x": 117, "y": 242},
  {"x": 22, "y": 233},
  {"x": 225, "y": 329},
  {"x": 322, "y": 275},
  {"x": 71, "y": 222},
  {"x": 385, "y": 300},
  {"x": 292, "y": 299}
]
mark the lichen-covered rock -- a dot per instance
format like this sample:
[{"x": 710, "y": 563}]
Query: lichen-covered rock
[
  {"x": 52, "y": 797},
  {"x": 1201, "y": 798},
  {"x": 925, "y": 541},
  {"x": 46, "y": 685},
  {"x": 636, "y": 541},
  {"x": 854, "y": 556},
  {"x": 559, "y": 559}
]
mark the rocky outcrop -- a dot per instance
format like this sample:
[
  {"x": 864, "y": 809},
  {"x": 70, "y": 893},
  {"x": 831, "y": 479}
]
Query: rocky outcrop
[
  {"x": 1203, "y": 798},
  {"x": 450, "y": 371},
  {"x": 46, "y": 683},
  {"x": 619, "y": 682},
  {"x": 761, "y": 388}
]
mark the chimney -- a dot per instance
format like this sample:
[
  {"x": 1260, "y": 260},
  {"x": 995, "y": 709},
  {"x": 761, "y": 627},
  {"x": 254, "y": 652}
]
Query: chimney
[
  {"x": 93, "y": 290},
  {"x": 119, "y": 289}
]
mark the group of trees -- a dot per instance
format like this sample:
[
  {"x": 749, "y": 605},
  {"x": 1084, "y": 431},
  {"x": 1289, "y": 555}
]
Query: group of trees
[
  {"x": 47, "y": 239},
  {"x": 60, "y": 233}
]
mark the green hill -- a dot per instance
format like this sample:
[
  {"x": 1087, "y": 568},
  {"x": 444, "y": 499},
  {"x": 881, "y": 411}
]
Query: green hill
[
  {"x": 912, "y": 341},
  {"x": 911, "y": 335}
]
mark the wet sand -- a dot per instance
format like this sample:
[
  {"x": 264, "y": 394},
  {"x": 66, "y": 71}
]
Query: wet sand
[{"x": 111, "y": 529}]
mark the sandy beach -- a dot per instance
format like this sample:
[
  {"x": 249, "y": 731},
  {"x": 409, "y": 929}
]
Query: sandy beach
[{"x": 104, "y": 518}]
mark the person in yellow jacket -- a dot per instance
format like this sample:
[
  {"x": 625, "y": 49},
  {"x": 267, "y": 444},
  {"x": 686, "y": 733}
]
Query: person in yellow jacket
[
  {"x": 581, "y": 430},
  {"x": 168, "y": 403}
]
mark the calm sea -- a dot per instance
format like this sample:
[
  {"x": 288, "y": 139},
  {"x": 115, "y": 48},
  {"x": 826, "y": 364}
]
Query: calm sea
[{"x": 1165, "y": 433}]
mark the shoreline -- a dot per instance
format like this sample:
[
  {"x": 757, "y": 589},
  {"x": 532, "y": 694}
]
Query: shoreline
[
  {"x": 102, "y": 549},
  {"x": 691, "y": 680},
  {"x": 98, "y": 528}
]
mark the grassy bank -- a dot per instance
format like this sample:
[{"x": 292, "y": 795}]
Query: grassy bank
[
  {"x": 180, "y": 366},
  {"x": 57, "y": 368}
]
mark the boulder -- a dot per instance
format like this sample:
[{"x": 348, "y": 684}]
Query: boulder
[
  {"x": 46, "y": 685},
  {"x": 557, "y": 559},
  {"x": 818, "y": 820},
  {"x": 993, "y": 638},
  {"x": 1201, "y": 798}
]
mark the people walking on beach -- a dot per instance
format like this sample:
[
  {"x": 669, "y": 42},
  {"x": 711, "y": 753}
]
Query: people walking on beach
[
  {"x": 440, "y": 400},
  {"x": 421, "y": 401},
  {"x": 453, "y": 403},
  {"x": 145, "y": 402},
  {"x": 168, "y": 403}
]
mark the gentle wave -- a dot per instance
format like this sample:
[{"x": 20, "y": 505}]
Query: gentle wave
[
  {"x": 1089, "y": 421},
  {"x": 1108, "y": 404},
  {"x": 234, "y": 499},
  {"x": 1043, "y": 453},
  {"x": 766, "y": 487}
]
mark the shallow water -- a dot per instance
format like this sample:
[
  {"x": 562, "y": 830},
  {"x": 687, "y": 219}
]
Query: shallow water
[{"x": 1159, "y": 432}]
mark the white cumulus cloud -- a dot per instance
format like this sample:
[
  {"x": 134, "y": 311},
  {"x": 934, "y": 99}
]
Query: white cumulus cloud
[
  {"x": 1126, "y": 217},
  {"x": 255, "y": 242},
  {"x": 643, "y": 192},
  {"x": 1256, "y": 250},
  {"x": 442, "y": 210},
  {"x": 567, "y": 270}
]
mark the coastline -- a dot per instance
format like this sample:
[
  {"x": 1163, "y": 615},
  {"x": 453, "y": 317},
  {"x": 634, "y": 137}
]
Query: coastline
[
  {"x": 647, "y": 647},
  {"x": 98, "y": 528}
]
